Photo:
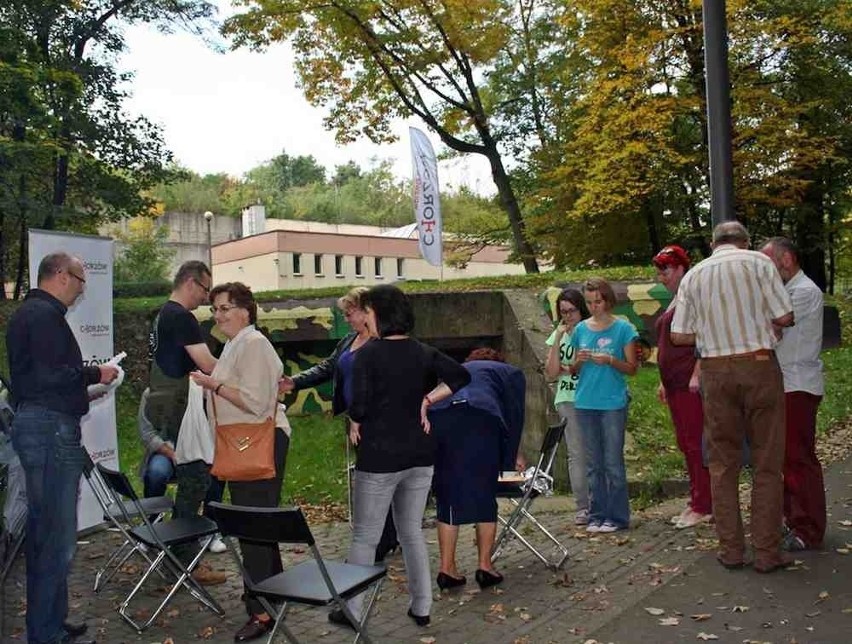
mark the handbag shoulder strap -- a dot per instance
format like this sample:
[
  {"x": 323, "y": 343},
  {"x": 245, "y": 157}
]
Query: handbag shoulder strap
[{"x": 271, "y": 411}]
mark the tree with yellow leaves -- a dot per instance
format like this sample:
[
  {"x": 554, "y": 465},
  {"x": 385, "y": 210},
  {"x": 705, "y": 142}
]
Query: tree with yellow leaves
[{"x": 367, "y": 62}]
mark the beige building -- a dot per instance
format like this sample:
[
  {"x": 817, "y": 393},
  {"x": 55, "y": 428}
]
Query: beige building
[{"x": 311, "y": 256}]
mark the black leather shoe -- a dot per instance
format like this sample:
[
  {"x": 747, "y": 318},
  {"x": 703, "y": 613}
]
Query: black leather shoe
[
  {"x": 75, "y": 629},
  {"x": 338, "y": 617},
  {"x": 420, "y": 620},
  {"x": 253, "y": 629},
  {"x": 487, "y": 579},
  {"x": 446, "y": 581}
]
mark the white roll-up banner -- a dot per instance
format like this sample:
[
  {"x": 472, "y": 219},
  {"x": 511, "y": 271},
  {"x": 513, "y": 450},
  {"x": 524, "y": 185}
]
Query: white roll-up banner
[
  {"x": 427, "y": 201},
  {"x": 90, "y": 318}
]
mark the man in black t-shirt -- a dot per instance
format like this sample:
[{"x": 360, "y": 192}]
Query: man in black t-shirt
[{"x": 176, "y": 348}]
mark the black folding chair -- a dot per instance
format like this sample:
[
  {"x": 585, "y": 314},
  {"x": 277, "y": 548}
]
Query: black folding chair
[
  {"x": 523, "y": 493},
  {"x": 114, "y": 512},
  {"x": 315, "y": 582},
  {"x": 161, "y": 537}
]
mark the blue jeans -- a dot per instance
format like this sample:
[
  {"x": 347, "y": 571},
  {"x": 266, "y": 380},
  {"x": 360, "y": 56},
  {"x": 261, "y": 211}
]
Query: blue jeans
[
  {"x": 603, "y": 438},
  {"x": 48, "y": 444},
  {"x": 405, "y": 492},
  {"x": 159, "y": 471}
]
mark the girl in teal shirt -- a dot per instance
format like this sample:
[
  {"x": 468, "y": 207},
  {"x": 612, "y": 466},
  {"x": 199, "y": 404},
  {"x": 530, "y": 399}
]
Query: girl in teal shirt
[{"x": 605, "y": 351}]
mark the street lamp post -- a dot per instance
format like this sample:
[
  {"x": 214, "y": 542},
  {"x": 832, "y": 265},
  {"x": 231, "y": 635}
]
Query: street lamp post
[
  {"x": 208, "y": 217},
  {"x": 718, "y": 111}
]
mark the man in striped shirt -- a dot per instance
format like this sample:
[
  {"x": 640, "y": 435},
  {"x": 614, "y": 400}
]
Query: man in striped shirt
[{"x": 727, "y": 306}]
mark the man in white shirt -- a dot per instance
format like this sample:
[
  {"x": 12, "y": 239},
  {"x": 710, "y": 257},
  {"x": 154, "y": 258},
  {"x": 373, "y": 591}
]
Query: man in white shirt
[
  {"x": 798, "y": 355},
  {"x": 727, "y": 306}
]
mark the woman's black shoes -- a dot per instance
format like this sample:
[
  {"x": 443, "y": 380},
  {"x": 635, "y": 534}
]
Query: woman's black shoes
[
  {"x": 487, "y": 579},
  {"x": 446, "y": 581},
  {"x": 420, "y": 620}
]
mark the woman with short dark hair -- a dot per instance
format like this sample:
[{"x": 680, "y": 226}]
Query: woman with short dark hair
[
  {"x": 243, "y": 388},
  {"x": 395, "y": 379}
]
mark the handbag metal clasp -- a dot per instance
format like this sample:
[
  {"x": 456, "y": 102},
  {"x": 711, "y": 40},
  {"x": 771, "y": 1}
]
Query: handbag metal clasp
[{"x": 243, "y": 443}]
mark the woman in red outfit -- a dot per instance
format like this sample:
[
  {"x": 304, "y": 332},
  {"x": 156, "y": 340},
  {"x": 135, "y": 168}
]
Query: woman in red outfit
[{"x": 679, "y": 388}]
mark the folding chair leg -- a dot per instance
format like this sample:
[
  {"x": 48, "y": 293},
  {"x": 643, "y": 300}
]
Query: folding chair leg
[
  {"x": 103, "y": 575},
  {"x": 278, "y": 616},
  {"x": 184, "y": 580},
  {"x": 553, "y": 539},
  {"x": 366, "y": 610},
  {"x": 510, "y": 528}
]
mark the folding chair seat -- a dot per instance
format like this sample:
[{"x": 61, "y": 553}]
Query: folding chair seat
[
  {"x": 315, "y": 582},
  {"x": 114, "y": 512},
  {"x": 161, "y": 538},
  {"x": 522, "y": 494}
]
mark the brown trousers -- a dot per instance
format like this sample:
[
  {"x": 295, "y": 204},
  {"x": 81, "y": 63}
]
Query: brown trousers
[{"x": 745, "y": 397}]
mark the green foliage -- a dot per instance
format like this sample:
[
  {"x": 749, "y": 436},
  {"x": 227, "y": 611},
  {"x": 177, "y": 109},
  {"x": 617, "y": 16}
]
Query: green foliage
[
  {"x": 144, "y": 256},
  {"x": 152, "y": 289},
  {"x": 70, "y": 157}
]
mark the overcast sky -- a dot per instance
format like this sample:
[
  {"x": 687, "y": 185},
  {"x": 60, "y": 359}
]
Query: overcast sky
[{"x": 231, "y": 112}]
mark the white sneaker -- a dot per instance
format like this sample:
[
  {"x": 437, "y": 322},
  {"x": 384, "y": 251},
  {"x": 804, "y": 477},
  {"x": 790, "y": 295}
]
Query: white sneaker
[
  {"x": 217, "y": 546},
  {"x": 608, "y": 526},
  {"x": 593, "y": 527},
  {"x": 581, "y": 517}
]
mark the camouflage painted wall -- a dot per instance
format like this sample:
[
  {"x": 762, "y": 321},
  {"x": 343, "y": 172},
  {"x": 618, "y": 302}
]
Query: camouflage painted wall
[{"x": 305, "y": 332}]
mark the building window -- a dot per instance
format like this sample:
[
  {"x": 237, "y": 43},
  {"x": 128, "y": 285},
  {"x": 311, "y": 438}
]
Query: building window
[
  {"x": 378, "y": 265},
  {"x": 297, "y": 263},
  {"x": 318, "y": 265},
  {"x": 400, "y": 265},
  {"x": 338, "y": 265},
  {"x": 359, "y": 266}
]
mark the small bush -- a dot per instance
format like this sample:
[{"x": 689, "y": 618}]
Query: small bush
[{"x": 141, "y": 289}]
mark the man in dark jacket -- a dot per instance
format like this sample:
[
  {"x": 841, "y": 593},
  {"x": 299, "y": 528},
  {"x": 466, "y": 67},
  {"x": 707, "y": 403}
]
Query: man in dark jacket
[{"x": 49, "y": 392}]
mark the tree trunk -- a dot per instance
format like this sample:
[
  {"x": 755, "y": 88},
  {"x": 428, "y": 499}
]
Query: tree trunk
[
  {"x": 22, "y": 253},
  {"x": 60, "y": 190},
  {"x": 810, "y": 234},
  {"x": 648, "y": 208},
  {"x": 510, "y": 204}
]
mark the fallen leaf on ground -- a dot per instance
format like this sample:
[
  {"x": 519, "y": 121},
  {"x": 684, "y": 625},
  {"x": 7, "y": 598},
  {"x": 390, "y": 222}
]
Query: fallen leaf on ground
[
  {"x": 427, "y": 640},
  {"x": 823, "y": 596},
  {"x": 655, "y": 611},
  {"x": 739, "y": 609},
  {"x": 706, "y": 636},
  {"x": 814, "y": 613},
  {"x": 701, "y": 617},
  {"x": 669, "y": 621},
  {"x": 845, "y": 522}
]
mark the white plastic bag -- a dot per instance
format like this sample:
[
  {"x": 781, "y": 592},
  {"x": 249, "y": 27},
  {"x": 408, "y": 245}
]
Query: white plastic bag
[{"x": 195, "y": 438}]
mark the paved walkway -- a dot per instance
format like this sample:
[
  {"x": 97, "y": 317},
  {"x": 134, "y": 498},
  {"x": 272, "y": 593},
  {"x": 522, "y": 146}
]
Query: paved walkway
[{"x": 601, "y": 594}]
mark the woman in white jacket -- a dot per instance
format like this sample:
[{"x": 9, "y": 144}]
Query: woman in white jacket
[{"x": 243, "y": 388}]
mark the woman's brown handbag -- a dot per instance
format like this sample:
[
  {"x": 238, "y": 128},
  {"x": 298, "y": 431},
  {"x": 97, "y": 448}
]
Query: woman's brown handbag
[{"x": 244, "y": 451}]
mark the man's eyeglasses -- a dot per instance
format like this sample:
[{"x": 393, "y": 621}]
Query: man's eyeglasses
[
  {"x": 223, "y": 308},
  {"x": 202, "y": 285},
  {"x": 82, "y": 280}
]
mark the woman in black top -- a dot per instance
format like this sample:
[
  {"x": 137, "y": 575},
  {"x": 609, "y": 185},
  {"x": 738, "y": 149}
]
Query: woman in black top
[{"x": 395, "y": 378}]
